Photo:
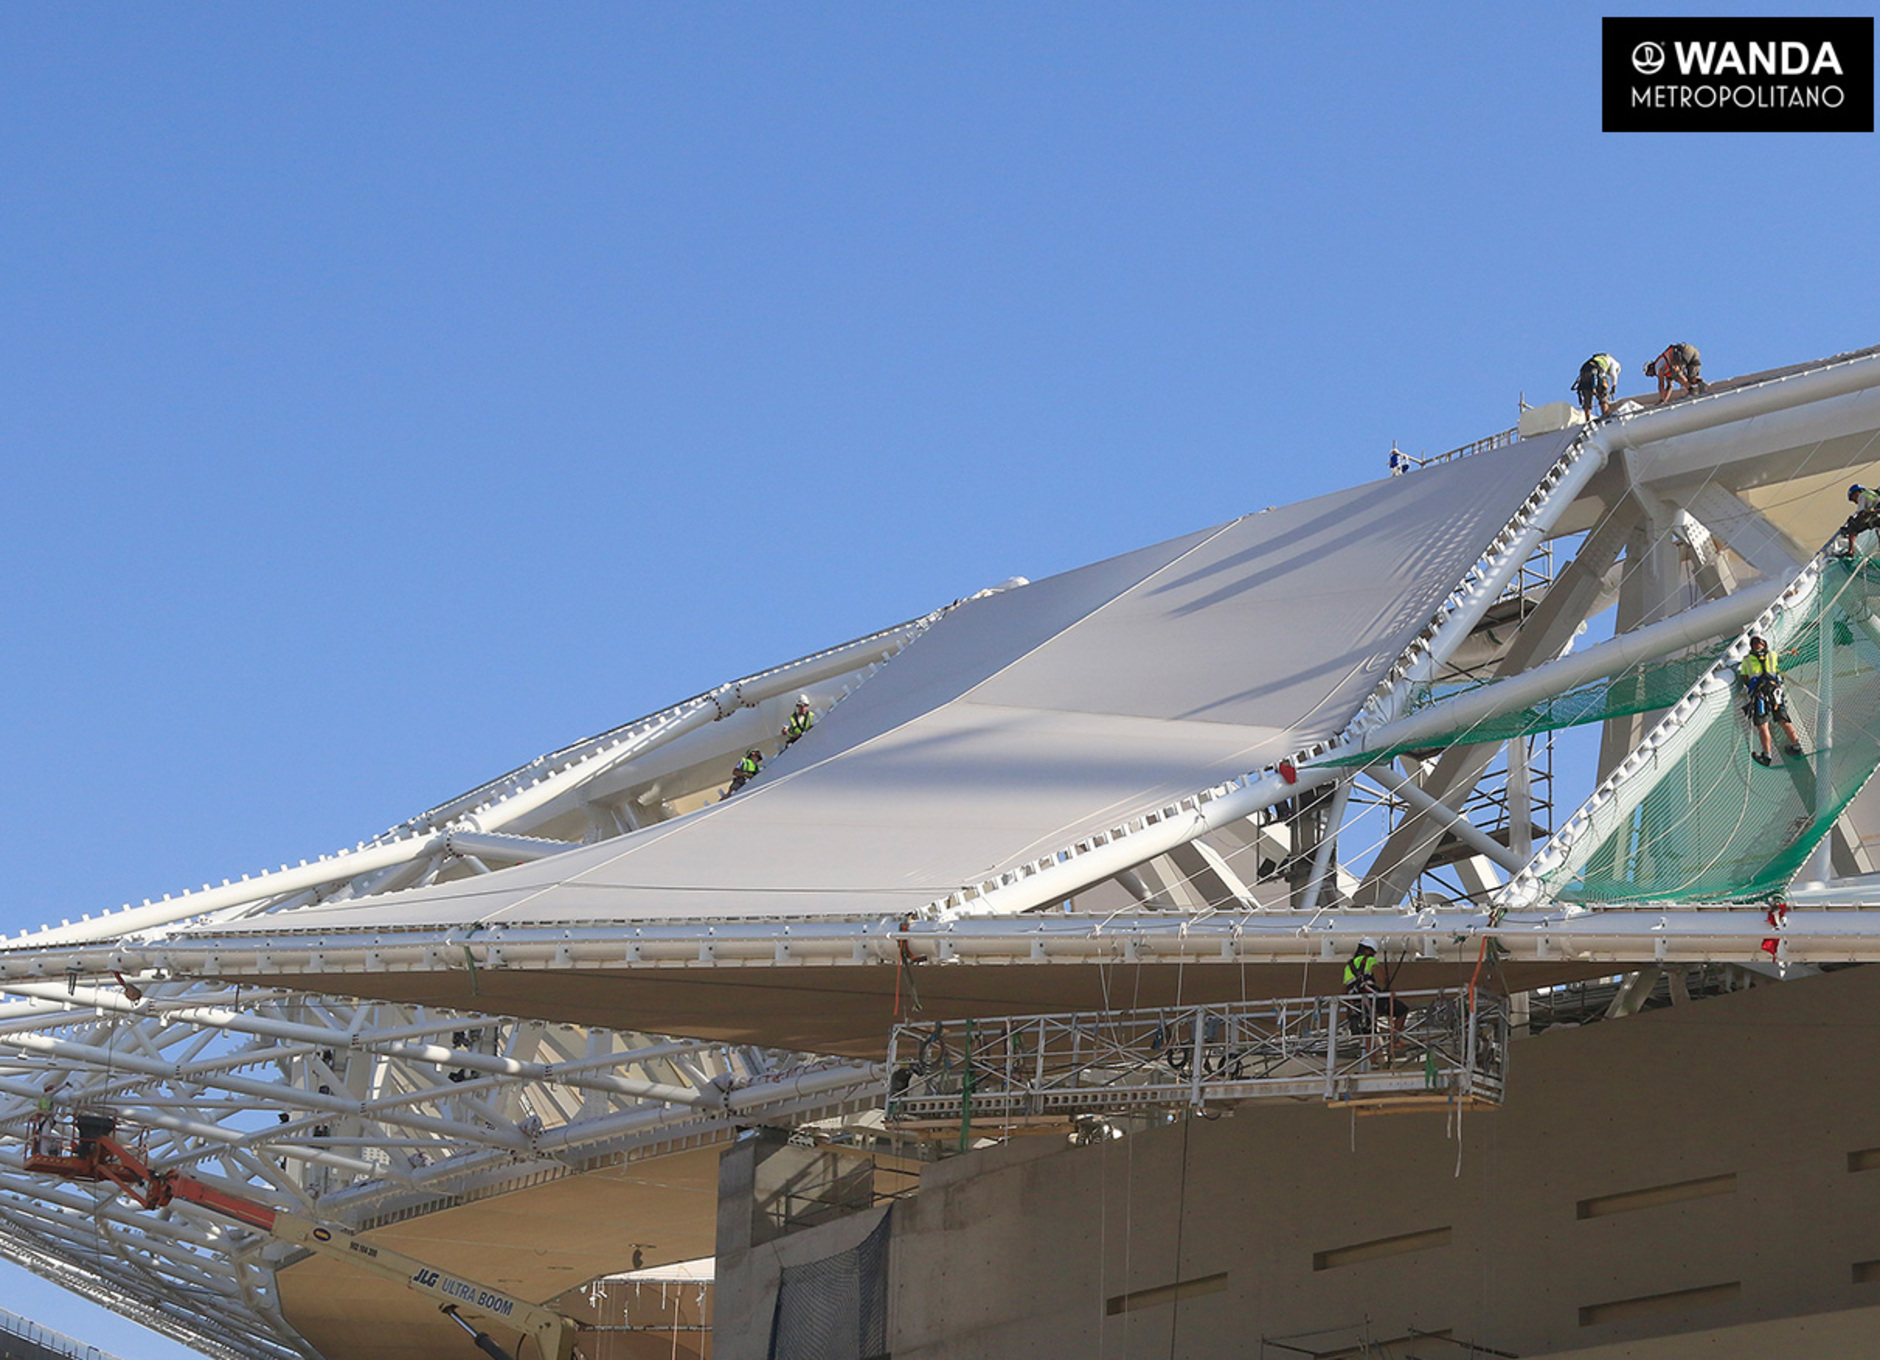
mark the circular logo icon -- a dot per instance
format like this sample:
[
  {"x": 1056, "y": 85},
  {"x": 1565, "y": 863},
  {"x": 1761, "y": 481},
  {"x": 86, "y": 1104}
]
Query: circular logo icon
[
  {"x": 322, "y": 1235},
  {"x": 1648, "y": 59}
]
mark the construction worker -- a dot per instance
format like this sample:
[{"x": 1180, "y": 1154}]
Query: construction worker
[
  {"x": 800, "y": 722},
  {"x": 1762, "y": 679},
  {"x": 1369, "y": 993},
  {"x": 45, "y": 1139},
  {"x": 1598, "y": 380},
  {"x": 745, "y": 770},
  {"x": 1399, "y": 461},
  {"x": 1866, "y": 514},
  {"x": 1680, "y": 364}
]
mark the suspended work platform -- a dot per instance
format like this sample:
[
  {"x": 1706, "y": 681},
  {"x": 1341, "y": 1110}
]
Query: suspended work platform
[{"x": 1407, "y": 1049}]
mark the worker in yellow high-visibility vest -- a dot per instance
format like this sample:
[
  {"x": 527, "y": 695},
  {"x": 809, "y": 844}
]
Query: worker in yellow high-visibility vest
[
  {"x": 801, "y": 720},
  {"x": 1370, "y": 994},
  {"x": 745, "y": 770},
  {"x": 1761, "y": 675},
  {"x": 1598, "y": 381}
]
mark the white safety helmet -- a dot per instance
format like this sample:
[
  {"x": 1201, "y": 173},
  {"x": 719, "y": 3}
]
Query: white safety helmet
[
  {"x": 802, "y": 701},
  {"x": 1368, "y": 943}
]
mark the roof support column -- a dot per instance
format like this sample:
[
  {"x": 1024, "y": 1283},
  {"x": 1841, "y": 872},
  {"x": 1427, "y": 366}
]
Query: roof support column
[{"x": 1651, "y": 589}]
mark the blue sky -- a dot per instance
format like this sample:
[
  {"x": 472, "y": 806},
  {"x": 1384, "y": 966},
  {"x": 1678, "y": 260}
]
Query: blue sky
[{"x": 387, "y": 396}]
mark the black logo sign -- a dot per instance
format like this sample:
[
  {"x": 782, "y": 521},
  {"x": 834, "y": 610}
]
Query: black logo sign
[{"x": 1738, "y": 75}]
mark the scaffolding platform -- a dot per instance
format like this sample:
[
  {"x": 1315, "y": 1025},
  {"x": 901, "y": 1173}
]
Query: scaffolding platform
[{"x": 1406, "y": 1050}]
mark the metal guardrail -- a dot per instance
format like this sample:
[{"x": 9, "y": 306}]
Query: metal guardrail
[
  {"x": 1500, "y": 439},
  {"x": 1409, "y": 1046},
  {"x": 29, "y": 1341}
]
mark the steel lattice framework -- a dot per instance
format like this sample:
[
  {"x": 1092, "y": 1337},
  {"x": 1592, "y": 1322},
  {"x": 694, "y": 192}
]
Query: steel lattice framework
[
  {"x": 367, "y": 1111},
  {"x": 361, "y": 1113}
]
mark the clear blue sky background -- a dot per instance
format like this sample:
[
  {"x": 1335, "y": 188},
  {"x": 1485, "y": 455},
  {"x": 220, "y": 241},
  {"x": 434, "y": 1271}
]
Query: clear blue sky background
[{"x": 387, "y": 397}]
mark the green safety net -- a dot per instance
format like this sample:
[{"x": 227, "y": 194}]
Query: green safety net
[
  {"x": 1690, "y": 816},
  {"x": 1642, "y": 689}
]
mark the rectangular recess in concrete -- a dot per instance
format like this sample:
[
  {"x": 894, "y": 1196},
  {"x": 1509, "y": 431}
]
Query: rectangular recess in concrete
[
  {"x": 1165, "y": 1293},
  {"x": 1867, "y": 1159},
  {"x": 1866, "y": 1272},
  {"x": 1381, "y": 1247},
  {"x": 1650, "y": 1305},
  {"x": 1651, "y": 1197}
]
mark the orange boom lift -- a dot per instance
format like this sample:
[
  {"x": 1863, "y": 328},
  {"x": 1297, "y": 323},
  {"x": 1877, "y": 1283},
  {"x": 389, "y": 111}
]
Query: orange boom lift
[{"x": 90, "y": 1151}]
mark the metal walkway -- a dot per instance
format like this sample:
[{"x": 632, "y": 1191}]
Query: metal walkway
[{"x": 1054, "y": 1068}]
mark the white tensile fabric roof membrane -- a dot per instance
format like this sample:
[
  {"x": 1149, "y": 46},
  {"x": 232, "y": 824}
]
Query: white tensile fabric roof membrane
[{"x": 1025, "y": 720}]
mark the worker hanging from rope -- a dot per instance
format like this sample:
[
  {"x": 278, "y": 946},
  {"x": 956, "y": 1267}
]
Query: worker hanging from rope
[
  {"x": 1761, "y": 675},
  {"x": 1866, "y": 515},
  {"x": 1369, "y": 993},
  {"x": 1680, "y": 364},
  {"x": 745, "y": 770},
  {"x": 1598, "y": 381}
]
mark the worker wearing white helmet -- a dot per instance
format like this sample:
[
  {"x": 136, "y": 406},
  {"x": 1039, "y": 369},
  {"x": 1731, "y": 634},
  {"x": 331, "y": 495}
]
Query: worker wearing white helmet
[
  {"x": 1361, "y": 971},
  {"x": 1866, "y": 514},
  {"x": 1761, "y": 675},
  {"x": 1362, "y": 982},
  {"x": 1598, "y": 381},
  {"x": 801, "y": 720}
]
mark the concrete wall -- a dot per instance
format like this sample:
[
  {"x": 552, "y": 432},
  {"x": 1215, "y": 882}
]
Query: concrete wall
[
  {"x": 1549, "y": 1227},
  {"x": 758, "y": 1178}
]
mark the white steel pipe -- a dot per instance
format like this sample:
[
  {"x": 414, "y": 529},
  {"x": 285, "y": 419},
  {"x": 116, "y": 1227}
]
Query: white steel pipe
[
  {"x": 720, "y": 703},
  {"x": 1446, "y": 817},
  {"x": 1767, "y": 397},
  {"x": 499, "y": 845},
  {"x": 1328, "y": 846},
  {"x": 84, "y": 1055},
  {"x": 370, "y": 858},
  {"x": 347, "y": 864},
  {"x": 1580, "y": 465},
  {"x": 1701, "y": 623},
  {"x": 1070, "y": 875},
  {"x": 744, "y": 1101},
  {"x": 576, "y": 1074}
]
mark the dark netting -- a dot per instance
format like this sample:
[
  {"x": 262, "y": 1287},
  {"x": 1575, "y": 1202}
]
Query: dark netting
[{"x": 835, "y": 1308}]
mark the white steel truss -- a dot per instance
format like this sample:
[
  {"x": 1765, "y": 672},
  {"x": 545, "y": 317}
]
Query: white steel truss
[
  {"x": 354, "y": 1113},
  {"x": 630, "y": 776},
  {"x": 365, "y": 1112}
]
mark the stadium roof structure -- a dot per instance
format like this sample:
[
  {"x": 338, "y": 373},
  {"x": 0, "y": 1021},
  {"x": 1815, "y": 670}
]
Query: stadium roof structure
[{"x": 1209, "y": 767}]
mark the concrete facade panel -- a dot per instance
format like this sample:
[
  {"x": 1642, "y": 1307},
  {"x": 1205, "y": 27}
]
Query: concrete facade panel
[{"x": 1327, "y": 1228}]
